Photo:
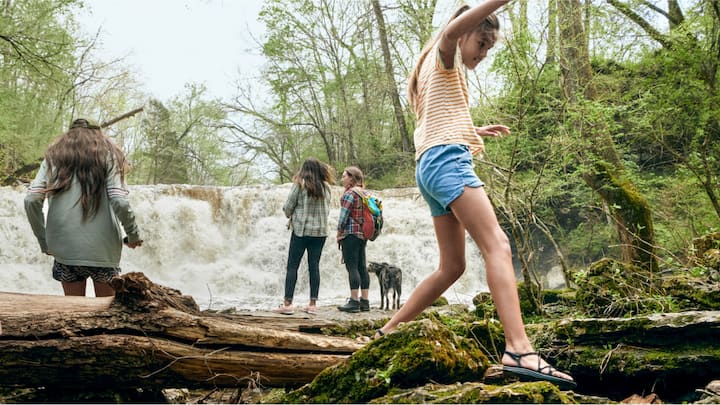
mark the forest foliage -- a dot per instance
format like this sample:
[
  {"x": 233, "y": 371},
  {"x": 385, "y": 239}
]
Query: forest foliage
[{"x": 612, "y": 104}]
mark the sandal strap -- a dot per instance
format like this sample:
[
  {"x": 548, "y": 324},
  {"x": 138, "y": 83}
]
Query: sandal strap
[
  {"x": 517, "y": 357},
  {"x": 551, "y": 370}
]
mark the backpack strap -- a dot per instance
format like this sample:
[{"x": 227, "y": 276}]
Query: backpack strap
[
  {"x": 357, "y": 190},
  {"x": 359, "y": 193}
]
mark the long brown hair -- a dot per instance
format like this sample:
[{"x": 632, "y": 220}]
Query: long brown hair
[
  {"x": 312, "y": 176},
  {"x": 84, "y": 153},
  {"x": 489, "y": 27}
]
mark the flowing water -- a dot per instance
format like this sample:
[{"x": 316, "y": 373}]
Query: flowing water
[{"x": 227, "y": 246}]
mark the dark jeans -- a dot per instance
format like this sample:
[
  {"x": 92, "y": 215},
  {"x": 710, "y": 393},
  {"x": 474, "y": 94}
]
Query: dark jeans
[
  {"x": 298, "y": 246},
  {"x": 353, "y": 251}
]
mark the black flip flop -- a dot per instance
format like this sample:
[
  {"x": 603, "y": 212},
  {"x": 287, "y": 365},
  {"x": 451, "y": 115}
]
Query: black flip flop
[{"x": 538, "y": 374}]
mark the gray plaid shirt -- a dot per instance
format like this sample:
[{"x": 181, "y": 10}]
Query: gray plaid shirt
[{"x": 309, "y": 216}]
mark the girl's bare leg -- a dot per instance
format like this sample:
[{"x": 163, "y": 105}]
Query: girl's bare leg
[
  {"x": 103, "y": 289},
  {"x": 474, "y": 210},
  {"x": 451, "y": 240},
  {"x": 76, "y": 288}
]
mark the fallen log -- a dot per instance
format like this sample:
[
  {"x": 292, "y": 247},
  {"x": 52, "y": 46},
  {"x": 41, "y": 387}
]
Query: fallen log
[
  {"x": 151, "y": 336},
  {"x": 669, "y": 354}
]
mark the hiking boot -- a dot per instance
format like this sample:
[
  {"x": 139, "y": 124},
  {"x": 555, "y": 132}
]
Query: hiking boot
[
  {"x": 364, "y": 305},
  {"x": 350, "y": 306}
]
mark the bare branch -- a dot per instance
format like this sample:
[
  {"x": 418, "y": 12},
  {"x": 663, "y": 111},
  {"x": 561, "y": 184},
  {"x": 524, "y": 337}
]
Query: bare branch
[
  {"x": 623, "y": 8},
  {"x": 121, "y": 117}
]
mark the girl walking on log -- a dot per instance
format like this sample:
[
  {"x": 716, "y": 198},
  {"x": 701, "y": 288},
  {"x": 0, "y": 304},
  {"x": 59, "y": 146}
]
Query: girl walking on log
[{"x": 445, "y": 142}]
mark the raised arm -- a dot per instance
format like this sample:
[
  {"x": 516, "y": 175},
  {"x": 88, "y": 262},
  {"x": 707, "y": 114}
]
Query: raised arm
[{"x": 463, "y": 24}]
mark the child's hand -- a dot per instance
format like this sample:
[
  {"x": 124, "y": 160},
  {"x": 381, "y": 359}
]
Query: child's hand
[
  {"x": 492, "y": 130},
  {"x": 132, "y": 245}
]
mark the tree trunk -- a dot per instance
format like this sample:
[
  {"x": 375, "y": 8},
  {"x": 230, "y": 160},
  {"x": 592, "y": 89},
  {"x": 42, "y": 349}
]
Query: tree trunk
[
  {"x": 392, "y": 85},
  {"x": 552, "y": 36},
  {"x": 152, "y": 336},
  {"x": 605, "y": 174}
]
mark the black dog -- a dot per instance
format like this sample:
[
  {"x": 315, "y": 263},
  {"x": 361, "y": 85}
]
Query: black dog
[{"x": 390, "y": 278}]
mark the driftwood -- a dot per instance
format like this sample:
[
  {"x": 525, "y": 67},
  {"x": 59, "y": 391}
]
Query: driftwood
[
  {"x": 121, "y": 117},
  {"x": 152, "y": 336}
]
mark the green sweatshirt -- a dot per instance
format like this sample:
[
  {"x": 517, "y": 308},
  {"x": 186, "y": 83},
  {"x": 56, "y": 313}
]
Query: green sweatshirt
[{"x": 95, "y": 242}]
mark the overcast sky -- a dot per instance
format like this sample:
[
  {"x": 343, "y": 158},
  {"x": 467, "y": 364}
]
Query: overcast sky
[{"x": 169, "y": 43}]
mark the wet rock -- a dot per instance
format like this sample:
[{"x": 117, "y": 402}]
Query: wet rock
[
  {"x": 638, "y": 399},
  {"x": 711, "y": 393}
]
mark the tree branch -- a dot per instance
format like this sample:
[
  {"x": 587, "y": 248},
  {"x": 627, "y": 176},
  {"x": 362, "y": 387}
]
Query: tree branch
[
  {"x": 122, "y": 117},
  {"x": 637, "y": 19}
]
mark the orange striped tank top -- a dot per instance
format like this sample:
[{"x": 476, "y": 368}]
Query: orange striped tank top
[{"x": 442, "y": 110}]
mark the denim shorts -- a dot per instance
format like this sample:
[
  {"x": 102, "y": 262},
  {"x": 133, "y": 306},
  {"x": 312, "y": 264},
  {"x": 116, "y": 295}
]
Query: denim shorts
[
  {"x": 442, "y": 173},
  {"x": 73, "y": 274}
]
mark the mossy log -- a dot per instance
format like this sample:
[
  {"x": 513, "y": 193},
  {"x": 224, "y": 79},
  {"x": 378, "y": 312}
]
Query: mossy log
[
  {"x": 152, "y": 336},
  {"x": 669, "y": 354}
]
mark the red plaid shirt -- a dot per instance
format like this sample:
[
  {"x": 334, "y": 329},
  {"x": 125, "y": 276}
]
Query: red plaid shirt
[{"x": 350, "y": 210}]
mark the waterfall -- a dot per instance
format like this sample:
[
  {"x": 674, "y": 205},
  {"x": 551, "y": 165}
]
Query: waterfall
[{"x": 228, "y": 246}]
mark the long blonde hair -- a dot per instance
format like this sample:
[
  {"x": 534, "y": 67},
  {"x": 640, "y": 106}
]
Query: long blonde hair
[
  {"x": 82, "y": 153},
  {"x": 489, "y": 27}
]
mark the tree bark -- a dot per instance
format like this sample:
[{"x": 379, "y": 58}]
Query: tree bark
[
  {"x": 152, "y": 336},
  {"x": 662, "y": 39},
  {"x": 397, "y": 107},
  {"x": 669, "y": 353},
  {"x": 605, "y": 173}
]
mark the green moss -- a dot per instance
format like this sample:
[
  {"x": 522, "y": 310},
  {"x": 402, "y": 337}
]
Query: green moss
[
  {"x": 556, "y": 304},
  {"x": 273, "y": 396},
  {"x": 630, "y": 363},
  {"x": 630, "y": 209},
  {"x": 355, "y": 328},
  {"x": 416, "y": 353},
  {"x": 478, "y": 393},
  {"x": 705, "y": 243},
  {"x": 614, "y": 289},
  {"x": 489, "y": 335},
  {"x": 484, "y": 306},
  {"x": 454, "y": 317},
  {"x": 693, "y": 292},
  {"x": 529, "y": 296}
]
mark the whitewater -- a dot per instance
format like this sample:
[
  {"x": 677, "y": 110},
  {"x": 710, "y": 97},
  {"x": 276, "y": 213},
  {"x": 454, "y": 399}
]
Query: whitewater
[{"x": 227, "y": 246}]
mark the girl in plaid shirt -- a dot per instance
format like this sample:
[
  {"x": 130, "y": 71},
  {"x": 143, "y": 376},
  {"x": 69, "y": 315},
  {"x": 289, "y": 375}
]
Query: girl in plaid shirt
[
  {"x": 307, "y": 206},
  {"x": 351, "y": 240}
]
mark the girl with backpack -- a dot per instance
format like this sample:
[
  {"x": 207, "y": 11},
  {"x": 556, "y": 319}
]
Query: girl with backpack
[{"x": 352, "y": 242}]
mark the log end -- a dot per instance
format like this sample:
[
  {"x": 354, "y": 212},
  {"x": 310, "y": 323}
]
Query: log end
[{"x": 137, "y": 292}]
